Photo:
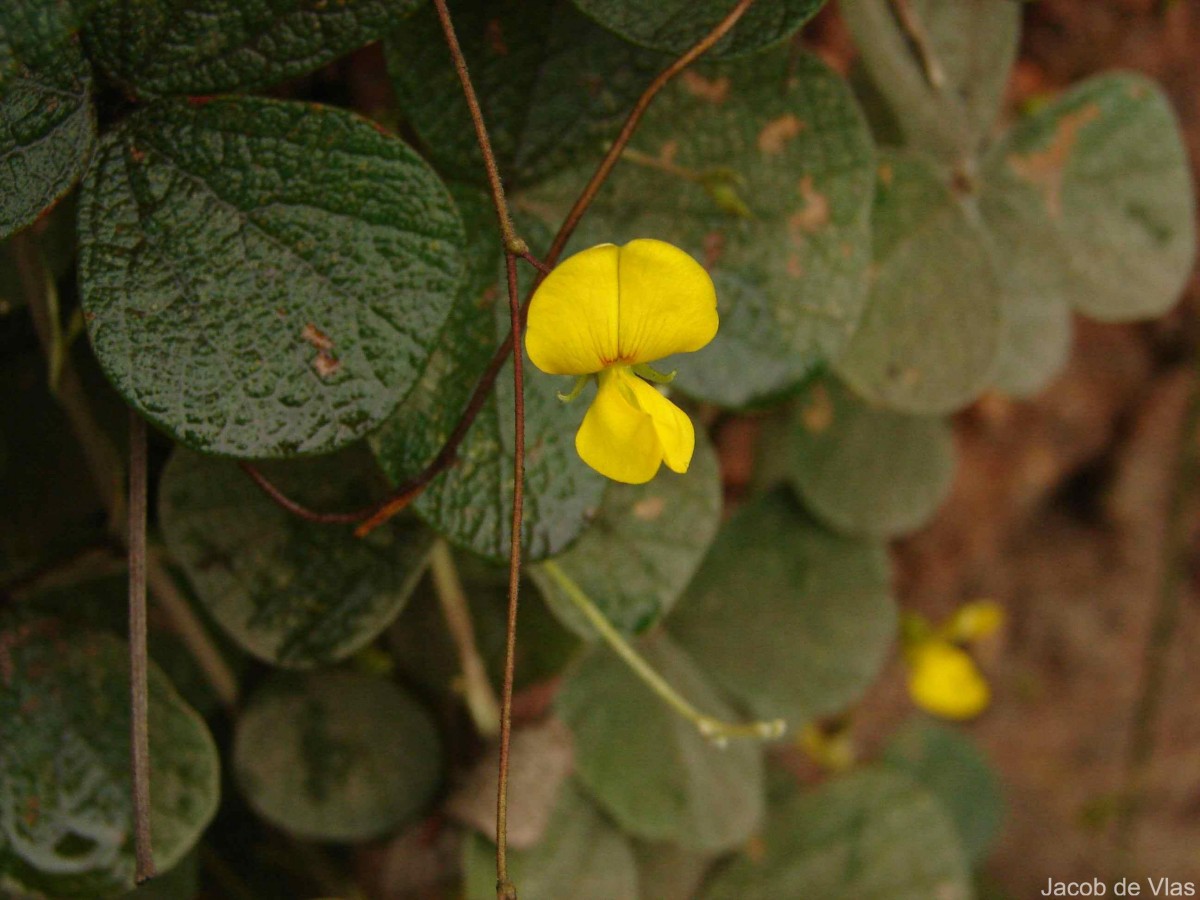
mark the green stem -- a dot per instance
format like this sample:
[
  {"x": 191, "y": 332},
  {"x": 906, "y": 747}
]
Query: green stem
[
  {"x": 714, "y": 729},
  {"x": 481, "y": 699}
]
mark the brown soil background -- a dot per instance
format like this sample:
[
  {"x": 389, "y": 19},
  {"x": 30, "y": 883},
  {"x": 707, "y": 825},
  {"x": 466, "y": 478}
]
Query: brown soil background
[{"x": 1060, "y": 511}]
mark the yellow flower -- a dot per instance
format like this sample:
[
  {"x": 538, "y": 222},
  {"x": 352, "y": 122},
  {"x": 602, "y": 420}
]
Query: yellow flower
[
  {"x": 609, "y": 311},
  {"x": 943, "y": 679}
]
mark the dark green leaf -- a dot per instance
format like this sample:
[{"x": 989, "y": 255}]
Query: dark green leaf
[
  {"x": 863, "y": 469},
  {"x": 336, "y": 756},
  {"x": 47, "y": 128},
  {"x": 948, "y": 764},
  {"x": 793, "y": 621},
  {"x": 38, "y": 33},
  {"x": 261, "y": 278},
  {"x": 650, "y": 768},
  {"x": 155, "y": 47},
  {"x": 65, "y": 809},
  {"x": 675, "y": 25},
  {"x": 582, "y": 857},
  {"x": 872, "y": 835},
  {"x": 292, "y": 592},
  {"x": 641, "y": 549},
  {"x": 472, "y": 503},
  {"x": 762, "y": 170},
  {"x": 971, "y": 43},
  {"x": 931, "y": 333},
  {"x": 1104, "y": 167},
  {"x": 553, "y": 85}
]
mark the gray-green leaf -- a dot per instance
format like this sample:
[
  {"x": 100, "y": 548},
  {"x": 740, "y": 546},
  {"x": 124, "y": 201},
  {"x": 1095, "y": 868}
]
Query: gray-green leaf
[
  {"x": 641, "y": 549},
  {"x": 1106, "y": 166},
  {"x": 950, "y": 766},
  {"x": 336, "y": 756},
  {"x": 650, "y": 768},
  {"x": 294, "y": 593},
  {"x": 66, "y": 818},
  {"x": 863, "y": 469},
  {"x": 872, "y": 835},
  {"x": 793, "y": 621},
  {"x": 261, "y": 278},
  {"x": 970, "y": 47},
  {"x": 931, "y": 334}
]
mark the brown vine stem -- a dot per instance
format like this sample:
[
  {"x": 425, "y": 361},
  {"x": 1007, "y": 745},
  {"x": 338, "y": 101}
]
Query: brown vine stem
[
  {"x": 139, "y": 706},
  {"x": 409, "y": 490}
]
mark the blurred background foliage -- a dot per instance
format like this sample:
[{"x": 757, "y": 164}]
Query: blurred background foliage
[{"x": 264, "y": 226}]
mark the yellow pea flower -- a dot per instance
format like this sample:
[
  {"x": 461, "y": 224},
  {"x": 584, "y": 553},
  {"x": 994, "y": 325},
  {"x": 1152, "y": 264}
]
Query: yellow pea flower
[
  {"x": 608, "y": 312},
  {"x": 943, "y": 679}
]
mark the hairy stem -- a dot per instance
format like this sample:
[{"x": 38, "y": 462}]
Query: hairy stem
[
  {"x": 481, "y": 699},
  {"x": 139, "y": 705},
  {"x": 715, "y": 730}
]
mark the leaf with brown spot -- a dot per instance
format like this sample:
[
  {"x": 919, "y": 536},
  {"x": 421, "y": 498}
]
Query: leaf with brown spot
[{"x": 776, "y": 133}]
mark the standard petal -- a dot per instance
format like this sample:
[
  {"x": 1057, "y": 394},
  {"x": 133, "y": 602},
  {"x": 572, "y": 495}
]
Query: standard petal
[
  {"x": 617, "y": 438},
  {"x": 675, "y": 431},
  {"x": 667, "y": 302},
  {"x": 572, "y": 325}
]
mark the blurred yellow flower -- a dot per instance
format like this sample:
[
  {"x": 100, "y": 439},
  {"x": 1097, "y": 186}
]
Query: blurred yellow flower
[
  {"x": 943, "y": 679},
  {"x": 608, "y": 312}
]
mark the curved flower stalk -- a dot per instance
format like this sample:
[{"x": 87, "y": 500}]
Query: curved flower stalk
[{"x": 608, "y": 312}]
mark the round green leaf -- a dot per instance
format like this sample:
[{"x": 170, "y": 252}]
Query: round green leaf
[
  {"x": 867, "y": 470},
  {"x": 749, "y": 361},
  {"x": 763, "y": 170},
  {"x": 260, "y": 278},
  {"x": 66, "y": 818},
  {"x": 931, "y": 333},
  {"x": 582, "y": 856},
  {"x": 49, "y": 127},
  {"x": 793, "y": 621},
  {"x": 554, "y": 85},
  {"x": 948, "y": 764},
  {"x": 155, "y": 47},
  {"x": 675, "y": 26},
  {"x": 1032, "y": 263},
  {"x": 471, "y": 503},
  {"x": 336, "y": 756},
  {"x": 642, "y": 548},
  {"x": 973, "y": 44},
  {"x": 872, "y": 835},
  {"x": 650, "y": 768},
  {"x": 294, "y": 593},
  {"x": 1104, "y": 168}
]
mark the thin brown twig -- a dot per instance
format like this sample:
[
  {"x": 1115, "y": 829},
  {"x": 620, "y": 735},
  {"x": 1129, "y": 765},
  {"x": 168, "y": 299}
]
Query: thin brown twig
[
  {"x": 512, "y": 241},
  {"x": 139, "y": 705},
  {"x": 504, "y": 887},
  {"x": 915, "y": 31},
  {"x": 535, "y": 262},
  {"x": 299, "y": 509},
  {"x": 631, "y": 123}
]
